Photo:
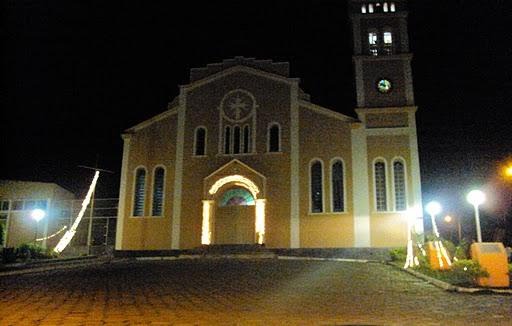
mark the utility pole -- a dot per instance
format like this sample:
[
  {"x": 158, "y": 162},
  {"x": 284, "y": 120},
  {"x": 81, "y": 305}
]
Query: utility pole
[{"x": 91, "y": 214}]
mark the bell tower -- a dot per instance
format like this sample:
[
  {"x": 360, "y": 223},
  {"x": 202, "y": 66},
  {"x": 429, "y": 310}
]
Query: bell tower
[
  {"x": 381, "y": 53},
  {"x": 384, "y": 141}
]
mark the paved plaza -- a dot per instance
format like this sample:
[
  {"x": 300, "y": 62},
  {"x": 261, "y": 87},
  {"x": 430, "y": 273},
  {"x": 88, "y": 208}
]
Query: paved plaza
[{"x": 239, "y": 292}]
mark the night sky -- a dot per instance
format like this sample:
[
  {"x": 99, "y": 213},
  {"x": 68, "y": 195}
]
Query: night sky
[{"x": 75, "y": 74}]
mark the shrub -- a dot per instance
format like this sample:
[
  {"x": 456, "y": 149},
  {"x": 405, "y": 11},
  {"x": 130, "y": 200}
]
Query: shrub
[
  {"x": 462, "y": 250},
  {"x": 398, "y": 254},
  {"x": 30, "y": 250},
  {"x": 465, "y": 272}
]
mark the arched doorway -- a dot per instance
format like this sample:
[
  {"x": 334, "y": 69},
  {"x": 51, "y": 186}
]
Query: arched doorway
[
  {"x": 233, "y": 213},
  {"x": 235, "y": 217}
]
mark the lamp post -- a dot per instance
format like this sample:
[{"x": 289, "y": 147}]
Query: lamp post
[
  {"x": 433, "y": 208},
  {"x": 37, "y": 214},
  {"x": 476, "y": 198},
  {"x": 449, "y": 219}
]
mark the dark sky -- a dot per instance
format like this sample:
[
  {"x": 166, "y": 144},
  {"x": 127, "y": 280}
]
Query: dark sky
[{"x": 77, "y": 73}]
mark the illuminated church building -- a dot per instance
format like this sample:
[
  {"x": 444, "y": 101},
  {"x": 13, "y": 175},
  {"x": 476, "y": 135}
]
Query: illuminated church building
[{"x": 242, "y": 156}]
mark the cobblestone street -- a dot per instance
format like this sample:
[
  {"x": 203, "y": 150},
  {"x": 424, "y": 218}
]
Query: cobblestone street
[{"x": 246, "y": 292}]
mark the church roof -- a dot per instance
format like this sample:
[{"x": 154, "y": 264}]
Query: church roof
[{"x": 277, "y": 68}]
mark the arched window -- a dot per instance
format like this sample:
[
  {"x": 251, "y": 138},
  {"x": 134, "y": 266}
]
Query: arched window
[
  {"x": 227, "y": 140},
  {"x": 274, "y": 138},
  {"x": 380, "y": 186},
  {"x": 236, "y": 140},
  {"x": 392, "y": 7},
  {"x": 399, "y": 185},
  {"x": 247, "y": 137},
  {"x": 139, "y": 192},
  {"x": 200, "y": 142},
  {"x": 385, "y": 7},
  {"x": 158, "y": 191},
  {"x": 316, "y": 187},
  {"x": 370, "y": 8},
  {"x": 337, "y": 187},
  {"x": 236, "y": 197}
]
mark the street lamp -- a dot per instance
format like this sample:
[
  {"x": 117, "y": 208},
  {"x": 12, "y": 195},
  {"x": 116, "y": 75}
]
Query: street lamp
[
  {"x": 476, "y": 198},
  {"x": 37, "y": 214},
  {"x": 449, "y": 219},
  {"x": 433, "y": 208}
]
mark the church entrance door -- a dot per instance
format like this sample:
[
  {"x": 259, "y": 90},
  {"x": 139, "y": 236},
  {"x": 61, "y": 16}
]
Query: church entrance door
[
  {"x": 234, "y": 225},
  {"x": 235, "y": 217}
]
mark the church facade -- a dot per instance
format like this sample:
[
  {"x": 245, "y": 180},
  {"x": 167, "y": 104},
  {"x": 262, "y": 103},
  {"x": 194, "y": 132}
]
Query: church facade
[{"x": 242, "y": 156}]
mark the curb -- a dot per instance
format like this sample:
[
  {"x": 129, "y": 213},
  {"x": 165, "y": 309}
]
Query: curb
[
  {"x": 450, "y": 287},
  {"x": 48, "y": 265},
  {"x": 325, "y": 259}
]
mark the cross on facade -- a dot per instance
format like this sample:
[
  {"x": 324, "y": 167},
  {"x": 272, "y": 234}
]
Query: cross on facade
[{"x": 238, "y": 105}]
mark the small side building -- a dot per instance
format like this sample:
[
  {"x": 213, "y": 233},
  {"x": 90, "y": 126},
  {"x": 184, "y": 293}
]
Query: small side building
[{"x": 18, "y": 199}]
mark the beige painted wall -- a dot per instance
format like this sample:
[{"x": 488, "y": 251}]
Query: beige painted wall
[
  {"x": 150, "y": 147},
  {"x": 324, "y": 138}
]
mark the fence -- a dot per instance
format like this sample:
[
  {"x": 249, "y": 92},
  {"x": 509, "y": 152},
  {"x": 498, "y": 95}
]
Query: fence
[{"x": 103, "y": 214}]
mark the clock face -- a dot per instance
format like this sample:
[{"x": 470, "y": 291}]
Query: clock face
[
  {"x": 238, "y": 106},
  {"x": 384, "y": 86}
]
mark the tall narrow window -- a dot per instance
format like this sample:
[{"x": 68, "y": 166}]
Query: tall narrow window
[
  {"x": 392, "y": 7},
  {"x": 227, "y": 140},
  {"x": 316, "y": 187},
  {"x": 158, "y": 192},
  {"x": 139, "y": 192},
  {"x": 388, "y": 38},
  {"x": 338, "y": 193},
  {"x": 372, "y": 38},
  {"x": 273, "y": 138},
  {"x": 246, "y": 144},
  {"x": 372, "y": 43},
  {"x": 200, "y": 145},
  {"x": 370, "y": 8},
  {"x": 380, "y": 186},
  {"x": 399, "y": 185},
  {"x": 388, "y": 42},
  {"x": 236, "y": 140},
  {"x": 385, "y": 7},
  {"x": 363, "y": 9}
]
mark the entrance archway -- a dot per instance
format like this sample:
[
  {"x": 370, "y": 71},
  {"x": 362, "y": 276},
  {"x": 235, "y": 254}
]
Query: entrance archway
[{"x": 234, "y": 214}]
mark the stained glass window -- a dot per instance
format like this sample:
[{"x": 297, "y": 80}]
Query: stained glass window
[{"x": 236, "y": 197}]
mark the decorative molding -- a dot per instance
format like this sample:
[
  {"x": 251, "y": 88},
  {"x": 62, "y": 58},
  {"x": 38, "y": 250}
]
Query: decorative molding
[
  {"x": 415, "y": 164},
  {"x": 235, "y": 69},
  {"x": 388, "y": 131},
  {"x": 152, "y": 120},
  {"x": 178, "y": 172},
  {"x": 360, "y": 179},
  {"x": 121, "y": 212},
  {"x": 294, "y": 167},
  {"x": 327, "y": 112}
]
